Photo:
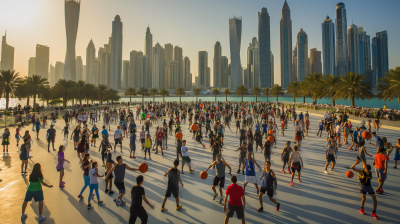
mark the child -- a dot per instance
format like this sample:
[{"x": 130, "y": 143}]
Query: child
[
  {"x": 94, "y": 184},
  {"x": 148, "y": 143},
  {"x": 60, "y": 164},
  {"x": 185, "y": 157},
  {"x": 132, "y": 144},
  {"x": 66, "y": 132},
  {"x": 6, "y": 139},
  {"x": 109, "y": 165},
  {"x": 17, "y": 135}
]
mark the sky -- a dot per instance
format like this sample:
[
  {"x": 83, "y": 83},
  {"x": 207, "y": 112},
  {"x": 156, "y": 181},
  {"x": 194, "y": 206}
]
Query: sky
[{"x": 194, "y": 25}]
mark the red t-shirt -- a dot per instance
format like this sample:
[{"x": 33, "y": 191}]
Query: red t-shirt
[
  {"x": 380, "y": 161},
  {"x": 235, "y": 193},
  {"x": 212, "y": 115},
  {"x": 160, "y": 136}
]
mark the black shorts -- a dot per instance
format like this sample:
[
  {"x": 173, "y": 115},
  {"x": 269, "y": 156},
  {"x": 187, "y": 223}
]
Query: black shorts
[
  {"x": 175, "y": 192},
  {"x": 109, "y": 177},
  {"x": 50, "y": 140},
  {"x": 118, "y": 141},
  {"x": 220, "y": 180},
  {"x": 232, "y": 209},
  {"x": 285, "y": 159},
  {"x": 221, "y": 135},
  {"x": 179, "y": 149},
  {"x": 120, "y": 186},
  {"x": 270, "y": 192},
  {"x": 296, "y": 166},
  {"x": 355, "y": 141},
  {"x": 132, "y": 131},
  {"x": 259, "y": 143},
  {"x": 331, "y": 158},
  {"x": 142, "y": 140},
  {"x": 159, "y": 143}
]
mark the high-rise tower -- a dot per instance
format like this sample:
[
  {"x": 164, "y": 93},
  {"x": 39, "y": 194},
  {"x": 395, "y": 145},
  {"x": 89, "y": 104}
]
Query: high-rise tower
[
  {"x": 286, "y": 46},
  {"x": 116, "y": 53},
  {"x": 264, "y": 48},
  {"x": 235, "y": 35},
  {"x": 202, "y": 69},
  {"x": 7, "y": 55},
  {"x": 148, "y": 51},
  {"x": 217, "y": 65},
  {"x": 42, "y": 61},
  {"x": 354, "y": 52},
  {"x": 341, "y": 40},
  {"x": 90, "y": 56},
  {"x": 72, "y": 8},
  {"x": 158, "y": 67},
  {"x": 380, "y": 55},
  {"x": 328, "y": 47},
  {"x": 315, "y": 61},
  {"x": 302, "y": 55},
  {"x": 178, "y": 57}
]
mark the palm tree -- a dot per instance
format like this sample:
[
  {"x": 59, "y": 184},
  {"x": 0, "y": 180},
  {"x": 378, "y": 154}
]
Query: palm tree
[
  {"x": 143, "y": 91},
  {"x": 305, "y": 91},
  {"x": 226, "y": 92},
  {"x": 197, "y": 92},
  {"x": 102, "y": 91},
  {"x": 314, "y": 82},
  {"x": 353, "y": 86},
  {"x": 266, "y": 92},
  {"x": 91, "y": 92},
  {"x": 216, "y": 92},
  {"x": 276, "y": 91},
  {"x": 130, "y": 92},
  {"x": 294, "y": 90},
  {"x": 64, "y": 88},
  {"x": 36, "y": 85},
  {"x": 21, "y": 91},
  {"x": 242, "y": 90},
  {"x": 389, "y": 86},
  {"x": 163, "y": 93},
  {"x": 80, "y": 90},
  {"x": 256, "y": 91},
  {"x": 180, "y": 92},
  {"x": 9, "y": 81},
  {"x": 153, "y": 92},
  {"x": 113, "y": 95},
  {"x": 328, "y": 87},
  {"x": 45, "y": 95}
]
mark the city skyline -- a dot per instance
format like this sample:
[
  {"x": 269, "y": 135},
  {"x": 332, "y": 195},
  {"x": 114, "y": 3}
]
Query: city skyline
[{"x": 191, "y": 49}]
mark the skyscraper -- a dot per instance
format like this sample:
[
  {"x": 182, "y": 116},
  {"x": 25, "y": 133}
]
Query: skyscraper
[
  {"x": 141, "y": 66},
  {"x": 202, "y": 69},
  {"x": 315, "y": 61},
  {"x": 272, "y": 69},
  {"x": 72, "y": 8},
  {"x": 31, "y": 66},
  {"x": 148, "y": 50},
  {"x": 264, "y": 46},
  {"x": 251, "y": 74},
  {"x": 59, "y": 71},
  {"x": 125, "y": 74},
  {"x": 328, "y": 47},
  {"x": 235, "y": 35},
  {"x": 365, "y": 53},
  {"x": 294, "y": 63},
  {"x": 79, "y": 68},
  {"x": 7, "y": 55},
  {"x": 341, "y": 40},
  {"x": 158, "y": 67},
  {"x": 133, "y": 77},
  {"x": 380, "y": 55},
  {"x": 104, "y": 56},
  {"x": 42, "y": 61},
  {"x": 95, "y": 71},
  {"x": 354, "y": 58},
  {"x": 116, "y": 53},
  {"x": 224, "y": 76},
  {"x": 302, "y": 55},
  {"x": 229, "y": 77},
  {"x": 173, "y": 75},
  {"x": 52, "y": 75},
  {"x": 286, "y": 46},
  {"x": 208, "y": 78},
  {"x": 217, "y": 65},
  {"x": 187, "y": 76},
  {"x": 90, "y": 56},
  {"x": 178, "y": 57}
]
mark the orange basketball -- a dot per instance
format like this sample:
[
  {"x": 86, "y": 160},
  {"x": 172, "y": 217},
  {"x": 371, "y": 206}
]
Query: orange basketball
[
  {"x": 194, "y": 127},
  {"x": 143, "y": 168},
  {"x": 137, "y": 108},
  {"x": 366, "y": 135},
  {"x": 271, "y": 138},
  {"x": 203, "y": 175},
  {"x": 179, "y": 135},
  {"x": 349, "y": 174},
  {"x": 271, "y": 132},
  {"x": 217, "y": 108},
  {"x": 148, "y": 116}
]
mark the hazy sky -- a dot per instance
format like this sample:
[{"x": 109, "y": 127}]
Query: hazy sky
[{"x": 194, "y": 25}]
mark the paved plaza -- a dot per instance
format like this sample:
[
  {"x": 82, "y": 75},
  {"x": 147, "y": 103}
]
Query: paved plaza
[{"x": 320, "y": 198}]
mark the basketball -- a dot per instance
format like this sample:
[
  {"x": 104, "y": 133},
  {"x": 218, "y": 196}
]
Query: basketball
[
  {"x": 271, "y": 138},
  {"x": 148, "y": 116},
  {"x": 203, "y": 175},
  {"x": 217, "y": 108},
  {"x": 143, "y": 168},
  {"x": 271, "y": 132},
  {"x": 349, "y": 174},
  {"x": 366, "y": 135},
  {"x": 137, "y": 108},
  {"x": 179, "y": 135}
]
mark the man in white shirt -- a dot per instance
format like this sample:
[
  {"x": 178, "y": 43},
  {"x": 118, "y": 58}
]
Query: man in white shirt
[{"x": 118, "y": 137}]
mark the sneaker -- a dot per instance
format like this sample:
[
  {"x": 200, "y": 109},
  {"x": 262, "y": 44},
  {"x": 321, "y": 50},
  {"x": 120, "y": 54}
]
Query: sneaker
[
  {"x": 104, "y": 164},
  {"x": 291, "y": 184},
  {"x": 99, "y": 203},
  {"x": 283, "y": 171},
  {"x": 149, "y": 158},
  {"x": 62, "y": 185},
  {"x": 362, "y": 211},
  {"x": 333, "y": 170},
  {"x": 278, "y": 206},
  {"x": 144, "y": 158},
  {"x": 298, "y": 179},
  {"x": 80, "y": 196},
  {"x": 191, "y": 171},
  {"x": 41, "y": 218},
  {"x": 220, "y": 200},
  {"x": 62, "y": 182},
  {"x": 106, "y": 191},
  {"x": 179, "y": 207},
  {"x": 215, "y": 195},
  {"x": 23, "y": 217},
  {"x": 89, "y": 205},
  {"x": 130, "y": 156},
  {"x": 111, "y": 192},
  {"x": 382, "y": 190},
  {"x": 260, "y": 209},
  {"x": 326, "y": 172},
  {"x": 290, "y": 172},
  {"x": 374, "y": 215},
  {"x": 162, "y": 209},
  {"x": 238, "y": 171},
  {"x": 134, "y": 157}
]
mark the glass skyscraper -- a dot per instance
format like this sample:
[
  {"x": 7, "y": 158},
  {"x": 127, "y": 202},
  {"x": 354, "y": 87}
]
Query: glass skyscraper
[
  {"x": 341, "y": 40},
  {"x": 354, "y": 52},
  {"x": 116, "y": 54},
  {"x": 264, "y": 47},
  {"x": 72, "y": 9},
  {"x": 235, "y": 35},
  {"x": 286, "y": 46},
  {"x": 302, "y": 55},
  {"x": 328, "y": 47}
]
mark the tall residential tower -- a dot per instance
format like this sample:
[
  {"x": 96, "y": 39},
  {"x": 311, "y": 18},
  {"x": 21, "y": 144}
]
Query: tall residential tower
[
  {"x": 286, "y": 46},
  {"x": 264, "y": 48},
  {"x": 341, "y": 40},
  {"x": 72, "y": 8},
  {"x": 328, "y": 47},
  {"x": 116, "y": 54},
  {"x": 235, "y": 35}
]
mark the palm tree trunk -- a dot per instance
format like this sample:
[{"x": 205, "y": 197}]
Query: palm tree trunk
[
  {"x": 294, "y": 99},
  {"x": 256, "y": 98},
  {"x": 65, "y": 99},
  {"x": 333, "y": 101},
  {"x": 34, "y": 101},
  {"x": 226, "y": 95},
  {"x": 7, "y": 99},
  {"x": 352, "y": 101},
  {"x": 80, "y": 101},
  {"x": 27, "y": 100},
  {"x": 242, "y": 98},
  {"x": 130, "y": 98},
  {"x": 276, "y": 98},
  {"x": 267, "y": 98}
]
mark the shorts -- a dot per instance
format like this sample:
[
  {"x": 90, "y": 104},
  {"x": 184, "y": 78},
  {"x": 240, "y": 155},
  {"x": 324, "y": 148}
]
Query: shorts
[
  {"x": 379, "y": 174},
  {"x": 175, "y": 192},
  {"x": 362, "y": 158},
  {"x": 118, "y": 141},
  {"x": 120, "y": 186},
  {"x": 259, "y": 143},
  {"x": 37, "y": 195},
  {"x": 186, "y": 160},
  {"x": 355, "y": 141},
  {"x": 142, "y": 140},
  {"x": 179, "y": 149},
  {"x": 16, "y": 136},
  {"x": 23, "y": 156},
  {"x": 285, "y": 158},
  {"x": 241, "y": 161},
  {"x": 337, "y": 134},
  {"x": 298, "y": 137},
  {"x": 109, "y": 177},
  {"x": 159, "y": 143},
  {"x": 252, "y": 178},
  {"x": 331, "y": 158},
  {"x": 221, "y": 135},
  {"x": 396, "y": 156},
  {"x": 267, "y": 156},
  {"x": 270, "y": 192},
  {"x": 296, "y": 166},
  {"x": 50, "y": 140},
  {"x": 235, "y": 209},
  {"x": 366, "y": 189},
  {"x": 220, "y": 180},
  {"x": 76, "y": 138}
]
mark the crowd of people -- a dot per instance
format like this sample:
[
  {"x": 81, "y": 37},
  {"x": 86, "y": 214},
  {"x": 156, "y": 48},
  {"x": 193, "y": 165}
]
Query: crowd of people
[{"x": 256, "y": 123}]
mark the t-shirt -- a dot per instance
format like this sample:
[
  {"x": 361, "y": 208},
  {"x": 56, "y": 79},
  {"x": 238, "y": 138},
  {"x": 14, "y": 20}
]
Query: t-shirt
[
  {"x": 264, "y": 127},
  {"x": 60, "y": 165},
  {"x": 37, "y": 123},
  {"x": 35, "y": 186},
  {"x": 93, "y": 176},
  {"x": 184, "y": 151},
  {"x": 235, "y": 193},
  {"x": 379, "y": 141},
  {"x": 132, "y": 126},
  {"x": 51, "y": 133},
  {"x": 160, "y": 136},
  {"x": 380, "y": 161},
  {"x": 118, "y": 133},
  {"x": 355, "y": 134},
  {"x": 132, "y": 140},
  {"x": 136, "y": 194},
  {"x": 104, "y": 132}
]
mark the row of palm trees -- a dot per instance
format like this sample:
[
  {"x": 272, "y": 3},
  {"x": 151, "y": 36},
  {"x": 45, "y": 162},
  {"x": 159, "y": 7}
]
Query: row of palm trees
[{"x": 11, "y": 85}]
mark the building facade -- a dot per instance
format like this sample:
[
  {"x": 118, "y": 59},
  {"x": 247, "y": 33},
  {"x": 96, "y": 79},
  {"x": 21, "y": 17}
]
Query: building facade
[
  {"x": 7, "y": 55},
  {"x": 116, "y": 54},
  {"x": 286, "y": 46},
  {"x": 354, "y": 52},
  {"x": 217, "y": 65},
  {"x": 148, "y": 50},
  {"x": 328, "y": 47},
  {"x": 31, "y": 66},
  {"x": 315, "y": 61},
  {"x": 158, "y": 69},
  {"x": 52, "y": 75},
  {"x": 79, "y": 68},
  {"x": 302, "y": 55},
  {"x": 72, "y": 10},
  {"x": 235, "y": 35},
  {"x": 59, "y": 71},
  {"x": 341, "y": 40},
  {"x": 178, "y": 57},
  {"x": 125, "y": 74},
  {"x": 42, "y": 61},
  {"x": 202, "y": 69},
  {"x": 224, "y": 76},
  {"x": 132, "y": 78},
  {"x": 264, "y": 47},
  {"x": 187, "y": 76},
  {"x": 90, "y": 56},
  {"x": 173, "y": 75}
]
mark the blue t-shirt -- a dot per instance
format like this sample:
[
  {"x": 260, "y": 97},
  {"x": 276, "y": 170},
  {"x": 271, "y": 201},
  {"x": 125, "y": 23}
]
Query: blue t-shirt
[
  {"x": 66, "y": 117},
  {"x": 105, "y": 132},
  {"x": 301, "y": 116},
  {"x": 132, "y": 140},
  {"x": 250, "y": 164},
  {"x": 379, "y": 141},
  {"x": 265, "y": 126},
  {"x": 124, "y": 125},
  {"x": 257, "y": 127},
  {"x": 355, "y": 134},
  {"x": 37, "y": 123},
  {"x": 132, "y": 126}
]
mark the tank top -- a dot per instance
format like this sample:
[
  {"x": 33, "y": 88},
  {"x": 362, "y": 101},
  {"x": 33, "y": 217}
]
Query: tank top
[
  {"x": 250, "y": 164},
  {"x": 93, "y": 176},
  {"x": 366, "y": 181},
  {"x": 119, "y": 172},
  {"x": 173, "y": 179},
  {"x": 148, "y": 143},
  {"x": 220, "y": 169},
  {"x": 268, "y": 181},
  {"x": 103, "y": 146}
]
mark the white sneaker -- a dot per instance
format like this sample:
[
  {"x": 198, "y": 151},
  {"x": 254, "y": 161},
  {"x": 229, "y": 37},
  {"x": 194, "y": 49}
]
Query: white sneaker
[
  {"x": 326, "y": 172},
  {"x": 24, "y": 216},
  {"x": 41, "y": 218},
  {"x": 333, "y": 170}
]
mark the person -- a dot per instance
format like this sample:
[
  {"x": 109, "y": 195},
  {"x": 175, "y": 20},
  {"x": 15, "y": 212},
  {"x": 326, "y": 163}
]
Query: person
[
  {"x": 94, "y": 184},
  {"x": 267, "y": 150},
  {"x": 268, "y": 185},
  {"x": 119, "y": 171},
  {"x": 77, "y": 133},
  {"x": 237, "y": 201},
  {"x": 17, "y": 135},
  {"x": 159, "y": 137},
  {"x": 137, "y": 210},
  {"x": 86, "y": 164},
  {"x": 174, "y": 178},
  {"x": 65, "y": 131},
  {"x": 60, "y": 164},
  {"x": 108, "y": 179},
  {"x": 35, "y": 191},
  {"x": 23, "y": 156},
  {"x": 242, "y": 157},
  {"x": 330, "y": 156},
  {"x": 219, "y": 178},
  {"x": 250, "y": 171},
  {"x": 296, "y": 163},
  {"x": 132, "y": 144},
  {"x": 6, "y": 139},
  {"x": 95, "y": 135},
  {"x": 365, "y": 177},
  {"x": 396, "y": 154},
  {"x": 37, "y": 126},
  {"x": 185, "y": 157},
  {"x": 285, "y": 157},
  {"x": 380, "y": 163},
  {"x": 355, "y": 140},
  {"x": 118, "y": 138},
  {"x": 148, "y": 143},
  {"x": 142, "y": 137},
  {"x": 51, "y": 135},
  {"x": 321, "y": 127}
]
